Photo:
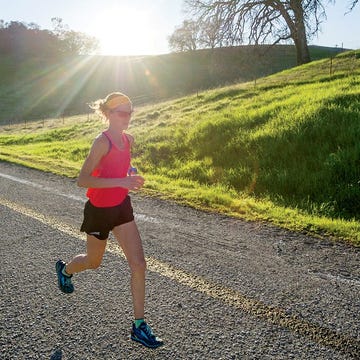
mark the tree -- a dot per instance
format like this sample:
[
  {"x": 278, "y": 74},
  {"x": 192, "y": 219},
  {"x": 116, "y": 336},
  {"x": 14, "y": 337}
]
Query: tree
[
  {"x": 230, "y": 22},
  {"x": 261, "y": 21},
  {"x": 211, "y": 35},
  {"x": 265, "y": 21},
  {"x": 73, "y": 42},
  {"x": 185, "y": 37},
  {"x": 23, "y": 40},
  {"x": 353, "y": 4}
]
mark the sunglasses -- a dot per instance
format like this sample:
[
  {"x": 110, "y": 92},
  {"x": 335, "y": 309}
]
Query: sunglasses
[{"x": 122, "y": 113}]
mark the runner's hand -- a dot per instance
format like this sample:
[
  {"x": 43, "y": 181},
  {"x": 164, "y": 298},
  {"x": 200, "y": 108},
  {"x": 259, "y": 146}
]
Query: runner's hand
[{"x": 133, "y": 182}]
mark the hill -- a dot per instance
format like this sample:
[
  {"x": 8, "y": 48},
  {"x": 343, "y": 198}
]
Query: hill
[
  {"x": 285, "y": 149},
  {"x": 34, "y": 88}
]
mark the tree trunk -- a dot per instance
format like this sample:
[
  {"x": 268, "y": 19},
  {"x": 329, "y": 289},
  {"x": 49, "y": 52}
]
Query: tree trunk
[
  {"x": 302, "y": 51},
  {"x": 299, "y": 34}
]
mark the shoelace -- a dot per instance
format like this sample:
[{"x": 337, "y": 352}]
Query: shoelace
[{"x": 147, "y": 330}]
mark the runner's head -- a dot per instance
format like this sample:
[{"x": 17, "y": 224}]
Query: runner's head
[{"x": 111, "y": 102}]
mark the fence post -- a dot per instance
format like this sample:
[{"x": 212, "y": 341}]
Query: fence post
[{"x": 331, "y": 66}]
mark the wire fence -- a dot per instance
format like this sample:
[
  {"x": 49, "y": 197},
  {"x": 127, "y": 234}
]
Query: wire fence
[{"x": 18, "y": 120}]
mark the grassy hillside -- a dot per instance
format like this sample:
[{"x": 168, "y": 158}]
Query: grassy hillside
[
  {"x": 32, "y": 88},
  {"x": 286, "y": 150}
]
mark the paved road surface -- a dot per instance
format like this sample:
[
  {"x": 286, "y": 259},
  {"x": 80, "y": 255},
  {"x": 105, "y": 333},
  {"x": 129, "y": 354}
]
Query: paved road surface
[{"x": 217, "y": 287}]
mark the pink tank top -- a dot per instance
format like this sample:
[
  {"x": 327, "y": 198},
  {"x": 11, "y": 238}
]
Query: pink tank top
[{"x": 114, "y": 164}]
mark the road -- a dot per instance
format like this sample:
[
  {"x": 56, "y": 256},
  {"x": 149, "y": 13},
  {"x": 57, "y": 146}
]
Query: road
[{"x": 217, "y": 287}]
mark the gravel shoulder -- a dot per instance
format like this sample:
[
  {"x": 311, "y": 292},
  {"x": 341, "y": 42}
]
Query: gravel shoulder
[{"x": 217, "y": 287}]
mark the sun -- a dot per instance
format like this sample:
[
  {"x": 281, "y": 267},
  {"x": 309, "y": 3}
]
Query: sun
[{"x": 124, "y": 31}]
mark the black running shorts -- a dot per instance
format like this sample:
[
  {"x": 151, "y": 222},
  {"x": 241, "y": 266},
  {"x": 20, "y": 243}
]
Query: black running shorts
[{"x": 100, "y": 221}]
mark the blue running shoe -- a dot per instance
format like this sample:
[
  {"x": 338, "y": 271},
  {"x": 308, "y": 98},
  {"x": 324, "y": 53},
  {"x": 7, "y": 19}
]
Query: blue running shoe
[
  {"x": 144, "y": 335},
  {"x": 64, "y": 282}
]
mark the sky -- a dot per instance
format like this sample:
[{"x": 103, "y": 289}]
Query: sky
[{"x": 142, "y": 27}]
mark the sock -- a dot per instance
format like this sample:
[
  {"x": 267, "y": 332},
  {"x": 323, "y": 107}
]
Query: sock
[
  {"x": 138, "y": 322},
  {"x": 64, "y": 272}
]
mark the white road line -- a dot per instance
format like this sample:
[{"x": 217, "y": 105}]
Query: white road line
[
  {"x": 42, "y": 187},
  {"x": 335, "y": 278},
  {"x": 138, "y": 217}
]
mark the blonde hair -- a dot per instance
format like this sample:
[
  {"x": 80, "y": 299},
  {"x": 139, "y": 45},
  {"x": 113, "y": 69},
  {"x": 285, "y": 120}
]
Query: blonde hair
[{"x": 111, "y": 101}]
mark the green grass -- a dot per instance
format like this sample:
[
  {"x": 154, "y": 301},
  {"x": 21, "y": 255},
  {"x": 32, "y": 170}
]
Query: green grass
[
  {"x": 37, "y": 87},
  {"x": 286, "y": 151}
]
